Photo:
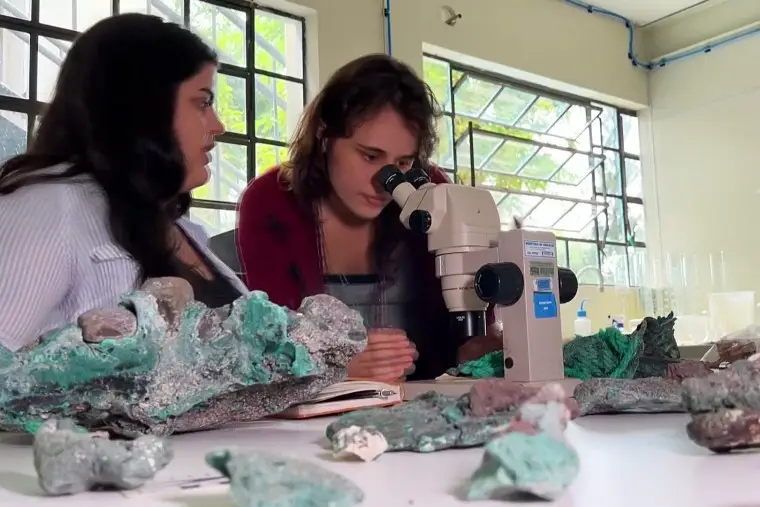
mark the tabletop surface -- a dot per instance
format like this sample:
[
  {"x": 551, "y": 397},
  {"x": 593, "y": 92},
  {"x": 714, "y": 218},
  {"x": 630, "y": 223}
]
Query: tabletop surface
[{"x": 626, "y": 461}]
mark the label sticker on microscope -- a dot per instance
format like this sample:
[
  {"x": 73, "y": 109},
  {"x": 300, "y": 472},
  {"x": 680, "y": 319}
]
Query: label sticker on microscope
[
  {"x": 544, "y": 305},
  {"x": 542, "y": 269},
  {"x": 545, "y": 249},
  {"x": 542, "y": 285}
]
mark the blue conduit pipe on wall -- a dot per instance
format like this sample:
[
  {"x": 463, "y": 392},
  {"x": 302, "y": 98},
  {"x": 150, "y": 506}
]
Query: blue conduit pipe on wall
[
  {"x": 387, "y": 14},
  {"x": 662, "y": 62}
]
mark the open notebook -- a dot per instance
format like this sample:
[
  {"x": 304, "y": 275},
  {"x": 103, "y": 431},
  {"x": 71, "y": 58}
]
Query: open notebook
[{"x": 345, "y": 397}]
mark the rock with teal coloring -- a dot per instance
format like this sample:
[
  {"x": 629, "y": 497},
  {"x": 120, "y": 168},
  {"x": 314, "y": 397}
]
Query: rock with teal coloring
[
  {"x": 186, "y": 367},
  {"x": 265, "y": 480},
  {"x": 520, "y": 463},
  {"x": 531, "y": 455},
  {"x": 69, "y": 460},
  {"x": 433, "y": 421}
]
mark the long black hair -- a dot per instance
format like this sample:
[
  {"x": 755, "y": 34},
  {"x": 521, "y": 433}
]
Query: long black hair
[{"x": 112, "y": 117}]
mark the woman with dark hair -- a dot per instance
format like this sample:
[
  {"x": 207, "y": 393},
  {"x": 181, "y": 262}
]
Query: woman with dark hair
[
  {"x": 320, "y": 224},
  {"x": 94, "y": 207}
]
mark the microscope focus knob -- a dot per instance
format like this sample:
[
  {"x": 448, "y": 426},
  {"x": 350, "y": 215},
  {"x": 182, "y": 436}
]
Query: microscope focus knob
[
  {"x": 420, "y": 221},
  {"x": 568, "y": 285},
  {"x": 500, "y": 283}
]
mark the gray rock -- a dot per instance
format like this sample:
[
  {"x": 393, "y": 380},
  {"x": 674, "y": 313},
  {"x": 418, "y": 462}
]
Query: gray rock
[
  {"x": 186, "y": 367},
  {"x": 612, "y": 395},
  {"x": 265, "y": 480},
  {"x": 725, "y": 408},
  {"x": 70, "y": 461}
]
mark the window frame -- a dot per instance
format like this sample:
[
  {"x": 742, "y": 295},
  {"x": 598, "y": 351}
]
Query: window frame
[
  {"x": 32, "y": 106},
  {"x": 540, "y": 91}
]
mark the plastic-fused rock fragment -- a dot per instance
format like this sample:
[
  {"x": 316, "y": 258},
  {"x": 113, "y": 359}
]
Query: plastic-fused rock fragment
[
  {"x": 725, "y": 408},
  {"x": 70, "y": 461},
  {"x": 432, "y": 421},
  {"x": 265, "y": 480},
  {"x": 366, "y": 445},
  {"x": 519, "y": 463},
  {"x": 162, "y": 363},
  {"x": 613, "y": 395}
]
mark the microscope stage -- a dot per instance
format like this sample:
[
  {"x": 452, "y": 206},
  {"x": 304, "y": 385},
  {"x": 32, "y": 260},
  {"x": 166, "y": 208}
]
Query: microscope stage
[{"x": 457, "y": 386}]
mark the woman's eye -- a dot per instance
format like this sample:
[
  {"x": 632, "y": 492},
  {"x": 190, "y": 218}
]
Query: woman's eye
[{"x": 370, "y": 158}]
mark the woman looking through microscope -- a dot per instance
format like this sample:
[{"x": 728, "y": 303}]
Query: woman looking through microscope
[
  {"x": 94, "y": 207},
  {"x": 320, "y": 224}
]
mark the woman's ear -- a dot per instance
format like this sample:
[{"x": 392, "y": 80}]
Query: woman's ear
[{"x": 321, "y": 138}]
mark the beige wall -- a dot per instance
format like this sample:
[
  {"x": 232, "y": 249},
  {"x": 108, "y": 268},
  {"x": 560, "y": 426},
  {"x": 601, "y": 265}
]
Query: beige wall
[
  {"x": 700, "y": 146},
  {"x": 543, "y": 40}
]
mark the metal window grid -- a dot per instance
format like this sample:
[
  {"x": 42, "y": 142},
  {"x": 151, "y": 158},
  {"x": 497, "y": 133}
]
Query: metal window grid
[
  {"x": 458, "y": 75},
  {"x": 33, "y": 29}
]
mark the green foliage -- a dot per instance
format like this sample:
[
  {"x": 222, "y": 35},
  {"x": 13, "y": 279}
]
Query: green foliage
[{"x": 271, "y": 96}]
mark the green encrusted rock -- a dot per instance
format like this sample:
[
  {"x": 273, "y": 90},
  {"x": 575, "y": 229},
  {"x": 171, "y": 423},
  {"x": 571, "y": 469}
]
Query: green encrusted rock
[
  {"x": 537, "y": 464},
  {"x": 185, "y": 367},
  {"x": 264, "y": 480}
]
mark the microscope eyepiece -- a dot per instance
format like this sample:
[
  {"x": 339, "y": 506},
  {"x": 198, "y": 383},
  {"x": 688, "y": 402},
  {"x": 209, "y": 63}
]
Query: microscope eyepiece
[
  {"x": 389, "y": 177},
  {"x": 417, "y": 176}
]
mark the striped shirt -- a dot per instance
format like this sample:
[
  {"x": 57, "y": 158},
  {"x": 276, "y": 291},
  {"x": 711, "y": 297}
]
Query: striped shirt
[{"x": 59, "y": 260}]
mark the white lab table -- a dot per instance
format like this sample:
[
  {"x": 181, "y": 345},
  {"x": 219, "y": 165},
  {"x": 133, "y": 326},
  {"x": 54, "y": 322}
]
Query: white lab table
[{"x": 626, "y": 461}]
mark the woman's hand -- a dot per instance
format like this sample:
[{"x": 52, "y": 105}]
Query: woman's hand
[
  {"x": 388, "y": 357},
  {"x": 479, "y": 346}
]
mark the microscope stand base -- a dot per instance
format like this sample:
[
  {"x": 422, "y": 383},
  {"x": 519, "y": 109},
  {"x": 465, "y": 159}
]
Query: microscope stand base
[{"x": 457, "y": 386}]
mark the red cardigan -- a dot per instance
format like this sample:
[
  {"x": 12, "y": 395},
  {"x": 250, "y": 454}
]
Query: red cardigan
[{"x": 278, "y": 250}]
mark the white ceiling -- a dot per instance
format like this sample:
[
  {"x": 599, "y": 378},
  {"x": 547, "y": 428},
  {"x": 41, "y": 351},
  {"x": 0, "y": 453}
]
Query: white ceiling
[{"x": 642, "y": 12}]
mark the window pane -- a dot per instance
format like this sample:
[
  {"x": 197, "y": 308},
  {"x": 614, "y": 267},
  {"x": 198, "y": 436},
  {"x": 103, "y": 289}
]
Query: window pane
[
  {"x": 170, "y": 10},
  {"x": 604, "y": 130},
  {"x": 14, "y": 63},
  {"x": 633, "y": 183},
  {"x": 444, "y": 156},
  {"x": 436, "y": 74},
  {"x": 573, "y": 122},
  {"x": 615, "y": 265},
  {"x": 547, "y": 214},
  {"x": 74, "y": 14},
  {"x": 268, "y": 157},
  {"x": 561, "y": 253},
  {"x": 13, "y": 127},
  {"x": 542, "y": 115},
  {"x": 278, "y": 106},
  {"x": 611, "y": 221},
  {"x": 214, "y": 221},
  {"x": 473, "y": 96},
  {"x": 584, "y": 262},
  {"x": 51, "y": 53},
  {"x": 222, "y": 28},
  {"x": 511, "y": 205},
  {"x": 610, "y": 167},
  {"x": 16, "y": 8},
  {"x": 631, "y": 142},
  {"x": 636, "y": 222},
  {"x": 278, "y": 44},
  {"x": 230, "y": 103},
  {"x": 578, "y": 222},
  {"x": 484, "y": 145},
  {"x": 510, "y": 106},
  {"x": 229, "y": 174}
]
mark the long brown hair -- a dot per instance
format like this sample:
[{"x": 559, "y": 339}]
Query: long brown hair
[{"x": 359, "y": 90}]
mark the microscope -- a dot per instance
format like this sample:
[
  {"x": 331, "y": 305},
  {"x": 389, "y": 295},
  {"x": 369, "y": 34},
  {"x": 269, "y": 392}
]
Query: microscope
[{"x": 480, "y": 265}]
